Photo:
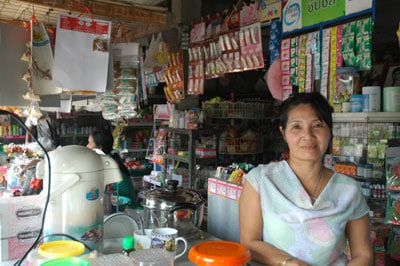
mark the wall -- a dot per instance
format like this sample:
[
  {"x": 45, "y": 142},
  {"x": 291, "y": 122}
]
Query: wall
[{"x": 12, "y": 45}]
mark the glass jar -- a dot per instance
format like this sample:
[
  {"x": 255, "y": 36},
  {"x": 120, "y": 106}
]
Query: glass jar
[{"x": 347, "y": 83}]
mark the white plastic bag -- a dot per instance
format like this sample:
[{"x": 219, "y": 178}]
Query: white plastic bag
[{"x": 157, "y": 54}]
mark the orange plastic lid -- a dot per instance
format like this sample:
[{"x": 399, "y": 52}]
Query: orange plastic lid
[{"x": 219, "y": 253}]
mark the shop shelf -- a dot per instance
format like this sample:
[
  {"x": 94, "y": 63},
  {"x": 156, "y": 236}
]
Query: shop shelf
[
  {"x": 236, "y": 110},
  {"x": 240, "y": 145}
]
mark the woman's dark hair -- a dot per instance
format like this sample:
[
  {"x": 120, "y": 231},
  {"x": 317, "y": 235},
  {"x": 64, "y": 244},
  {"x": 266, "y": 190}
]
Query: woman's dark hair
[
  {"x": 317, "y": 102},
  {"x": 105, "y": 139}
]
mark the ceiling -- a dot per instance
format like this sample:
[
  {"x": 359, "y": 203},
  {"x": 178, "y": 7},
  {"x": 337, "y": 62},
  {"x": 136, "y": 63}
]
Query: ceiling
[
  {"x": 142, "y": 18},
  {"x": 139, "y": 18}
]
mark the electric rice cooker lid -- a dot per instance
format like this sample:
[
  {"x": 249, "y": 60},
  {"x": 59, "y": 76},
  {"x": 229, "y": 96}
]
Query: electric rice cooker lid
[{"x": 172, "y": 196}]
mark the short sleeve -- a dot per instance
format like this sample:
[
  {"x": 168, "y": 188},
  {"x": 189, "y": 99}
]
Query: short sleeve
[
  {"x": 253, "y": 177},
  {"x": 360, "y": 205}
]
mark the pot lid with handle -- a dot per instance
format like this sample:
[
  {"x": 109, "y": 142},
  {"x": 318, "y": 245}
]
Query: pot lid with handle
[{"x": 172, "y": 198}]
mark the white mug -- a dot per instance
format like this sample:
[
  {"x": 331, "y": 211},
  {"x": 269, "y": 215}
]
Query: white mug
[
  {"x": 167, "y": 239},
  {"x": 142, "y": 241}
]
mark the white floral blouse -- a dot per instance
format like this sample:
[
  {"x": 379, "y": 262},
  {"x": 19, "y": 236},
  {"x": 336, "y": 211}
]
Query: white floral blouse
[{"x": 314, "y": 233}]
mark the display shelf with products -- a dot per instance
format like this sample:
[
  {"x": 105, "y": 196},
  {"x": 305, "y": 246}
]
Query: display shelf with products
[
  {"x": 135, "y": 137},
  {"x": 240, "y": 129},
  {"x": 74, "y": 128},
  {"x": 360, "y": 141},
  {"x": 156, "y": 146},
  {"x": 184, "y": 146},
  {"x": 133, "y": 142},
  {"x": 359, "y": 150},
  {"x": 11, "y": 131}
]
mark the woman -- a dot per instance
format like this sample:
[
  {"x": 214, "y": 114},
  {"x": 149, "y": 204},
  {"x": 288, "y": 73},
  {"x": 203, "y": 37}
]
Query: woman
[
  {"x": 102, "y": 142},
  {"x": 297, "y": 212}
]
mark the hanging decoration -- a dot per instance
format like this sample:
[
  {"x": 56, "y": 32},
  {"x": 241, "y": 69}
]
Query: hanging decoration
[
  {"x": 34, "y": 72},
  {"x": 41, "y": 64}
]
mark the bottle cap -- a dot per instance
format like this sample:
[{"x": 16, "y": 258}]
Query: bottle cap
[{"x": 128, "y": 242}]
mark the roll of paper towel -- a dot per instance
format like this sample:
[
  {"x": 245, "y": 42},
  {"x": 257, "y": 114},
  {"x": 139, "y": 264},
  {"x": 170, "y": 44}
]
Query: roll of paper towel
[{"x": 391, "y": 99}]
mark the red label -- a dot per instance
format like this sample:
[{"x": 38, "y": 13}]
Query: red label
[{"x": 83, "y": 25}]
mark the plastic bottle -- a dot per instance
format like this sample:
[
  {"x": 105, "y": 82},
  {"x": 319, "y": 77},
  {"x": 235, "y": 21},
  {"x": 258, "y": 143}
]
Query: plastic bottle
[{"x": 128, "y": 244}]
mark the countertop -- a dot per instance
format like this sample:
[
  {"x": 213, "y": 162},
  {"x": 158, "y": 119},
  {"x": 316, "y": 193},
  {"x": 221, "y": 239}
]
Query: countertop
[{"x": 181, "y": 261}]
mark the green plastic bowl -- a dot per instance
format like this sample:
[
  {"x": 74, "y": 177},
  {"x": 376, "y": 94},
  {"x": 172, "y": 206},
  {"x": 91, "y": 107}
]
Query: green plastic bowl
[{"x": 68, "y": 261}]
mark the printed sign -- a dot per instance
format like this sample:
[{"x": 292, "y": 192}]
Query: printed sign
[
  {"x": 297, "y": 14},
  {"x": 81, "y": 53}
]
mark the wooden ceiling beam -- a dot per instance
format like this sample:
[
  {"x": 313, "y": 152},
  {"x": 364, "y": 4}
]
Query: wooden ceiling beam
[
  {"x": 147, "y": 31},
  {"x": 139, "y": 21},
  {"x": 114, "y": 10}
]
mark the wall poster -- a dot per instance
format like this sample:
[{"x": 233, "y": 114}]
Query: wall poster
[{"x": 81, "y": 53}]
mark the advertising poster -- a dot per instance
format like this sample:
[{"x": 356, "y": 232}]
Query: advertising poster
[
  {"x": 269, "y": 11},
  {"x": 297, "y": 14},
  {"x": 81, "y": 53}
]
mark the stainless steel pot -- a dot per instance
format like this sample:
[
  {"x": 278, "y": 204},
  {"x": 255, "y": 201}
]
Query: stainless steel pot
[{"x": 174, "y": 206}]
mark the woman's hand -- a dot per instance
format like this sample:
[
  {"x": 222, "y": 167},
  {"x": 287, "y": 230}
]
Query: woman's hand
[{"x": 294, "y": 262}]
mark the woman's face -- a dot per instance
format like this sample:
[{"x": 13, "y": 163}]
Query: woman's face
[
  {"x": 307, "y": 136},
  {"x": 91, "y": 145}
]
